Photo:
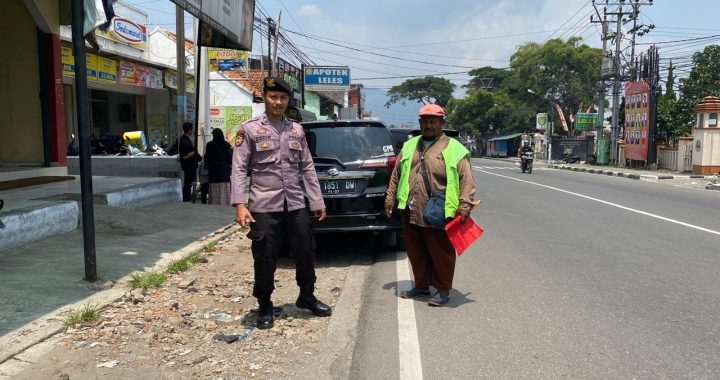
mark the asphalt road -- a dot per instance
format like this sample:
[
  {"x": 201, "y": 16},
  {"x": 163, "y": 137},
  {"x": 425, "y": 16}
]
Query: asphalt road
[{"x": 577, "y": 276}]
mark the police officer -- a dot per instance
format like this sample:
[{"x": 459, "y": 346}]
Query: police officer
[{"x": 270, "y": 158}]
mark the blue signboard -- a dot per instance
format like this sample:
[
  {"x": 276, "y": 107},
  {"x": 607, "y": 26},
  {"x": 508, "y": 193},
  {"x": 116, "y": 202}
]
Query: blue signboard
[{"x": 327, "y": 78}]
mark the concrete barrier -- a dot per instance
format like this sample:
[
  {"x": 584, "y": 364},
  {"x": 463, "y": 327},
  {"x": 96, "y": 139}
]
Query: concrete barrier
[
  {"x": 23, "y": 226},
  {"x": 129, "y": 166}
]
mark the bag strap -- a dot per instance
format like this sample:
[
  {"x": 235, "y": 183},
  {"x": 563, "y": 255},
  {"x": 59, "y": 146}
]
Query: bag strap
[{"x": 423, "y": 167}]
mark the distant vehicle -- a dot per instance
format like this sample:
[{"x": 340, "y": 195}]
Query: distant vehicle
[
  {"x": 300, "y": 115},
  {"x": 353, "y": 161}
]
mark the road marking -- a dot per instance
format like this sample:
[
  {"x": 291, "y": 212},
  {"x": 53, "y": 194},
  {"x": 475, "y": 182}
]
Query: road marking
[
  {"x": 605, "y": 202},
  {"x": 410, "y": 363}
]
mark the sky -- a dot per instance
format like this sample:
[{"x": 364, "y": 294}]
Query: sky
[{"x": 398, "y": 38}]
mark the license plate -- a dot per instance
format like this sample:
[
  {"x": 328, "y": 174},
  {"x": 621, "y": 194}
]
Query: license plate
[{"x": 338, "y": 187}]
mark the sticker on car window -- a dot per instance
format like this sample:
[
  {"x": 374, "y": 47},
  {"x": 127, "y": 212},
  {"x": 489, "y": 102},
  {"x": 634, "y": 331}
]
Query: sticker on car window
[{"x": 388, "y": 149}]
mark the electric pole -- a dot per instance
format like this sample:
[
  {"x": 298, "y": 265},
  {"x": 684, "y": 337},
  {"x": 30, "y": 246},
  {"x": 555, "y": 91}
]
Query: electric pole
[{"x": 601, "y": 104}]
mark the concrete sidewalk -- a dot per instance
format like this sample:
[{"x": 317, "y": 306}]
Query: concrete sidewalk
[{"x": 43, "y": 280}]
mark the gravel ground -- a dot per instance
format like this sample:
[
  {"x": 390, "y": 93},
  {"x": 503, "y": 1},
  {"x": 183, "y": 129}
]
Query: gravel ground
[{"x": 178, "y": 331}]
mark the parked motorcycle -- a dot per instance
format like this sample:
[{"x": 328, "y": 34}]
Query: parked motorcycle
[{"x": 526, "y": 161}]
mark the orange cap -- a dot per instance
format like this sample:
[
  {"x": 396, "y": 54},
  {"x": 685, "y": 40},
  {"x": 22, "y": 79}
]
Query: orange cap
[{"x": 432, "y": 110}]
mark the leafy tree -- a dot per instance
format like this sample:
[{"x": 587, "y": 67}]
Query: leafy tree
[
  {"x": 670, "y": 84},
  {"x": 704, "y": 80},
  {"x": 488, "y": 78},
  {"x": 424, "y": 90},
  {"x": 564, "y": 71},
  {"x": 482, "y": 109},
  {"x": 468, "y": 115}
]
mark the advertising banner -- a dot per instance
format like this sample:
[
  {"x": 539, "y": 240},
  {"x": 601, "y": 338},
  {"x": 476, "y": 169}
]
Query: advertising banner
[
  {"x": 327, "y": 78},
  {"x": 171, "y": 81},
  {"x": 637, "y": 120},
  {"x": 585, "y": 121},
  {"x": 107, "y": 70},
  {"x": 135, "y": 74},
  {"x": 98, "y": 68},
  {"x": 541, "y": 121},
  {"x": 158, "y": 129},
  {"x": 220, "y": 60},
  {"x": 229, "y": 119}
]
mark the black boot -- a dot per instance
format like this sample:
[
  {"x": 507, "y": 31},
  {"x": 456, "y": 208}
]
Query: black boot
[
  {"x": 307, "y": 300},
  {"x": 265, "y": 315}
]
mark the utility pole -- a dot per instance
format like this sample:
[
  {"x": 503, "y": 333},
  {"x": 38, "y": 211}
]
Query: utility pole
[
  {"x": 601, "y": 104},
  {"x": 271, "y": 30},
  {"x": 180, "y": 53}
]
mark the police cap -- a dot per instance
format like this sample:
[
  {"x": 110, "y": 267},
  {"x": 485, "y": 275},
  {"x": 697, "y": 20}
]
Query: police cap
[{"x": 275, "y": 84}]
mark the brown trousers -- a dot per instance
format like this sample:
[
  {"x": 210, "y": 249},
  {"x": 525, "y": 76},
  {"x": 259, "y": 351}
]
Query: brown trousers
[{"x": 431, "y": 254}]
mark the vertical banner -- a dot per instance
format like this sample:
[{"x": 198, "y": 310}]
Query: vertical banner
[
  {"x": 157, "y": 128},
  {"x": 562, "y": 116},
  {"x": 541, "y": 121}
]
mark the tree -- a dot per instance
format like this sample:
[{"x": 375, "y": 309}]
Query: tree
[
  {"x": 468, "y": 115},
  {"x": 424, "y": 90},
  {"x": 670, "y": 84},
  {"x": 704, "y": 80},
  {"x": 482, "y": 109},
  {"x": 488, "y": 78},
  {"x": 563, "y": 71}
]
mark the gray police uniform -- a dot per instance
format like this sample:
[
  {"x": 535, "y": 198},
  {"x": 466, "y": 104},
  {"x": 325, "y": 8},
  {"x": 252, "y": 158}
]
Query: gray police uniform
[{"x": 267, "y": 167}]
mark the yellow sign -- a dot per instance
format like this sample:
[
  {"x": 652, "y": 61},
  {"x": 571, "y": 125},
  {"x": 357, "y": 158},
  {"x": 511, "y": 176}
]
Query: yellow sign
[
  {"x": 227, "y": 60},
  {"x": 98, "y": 68},
  {"x": 107, "y": 70}
]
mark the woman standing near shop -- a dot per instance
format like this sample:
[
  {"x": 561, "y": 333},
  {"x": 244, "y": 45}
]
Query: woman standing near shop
[{"x": 218, "y": 159}]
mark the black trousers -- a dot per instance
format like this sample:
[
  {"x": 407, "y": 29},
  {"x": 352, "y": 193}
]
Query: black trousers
[
  {"x": 188, "y": 179},
  {"x": 274, "y": 231}
]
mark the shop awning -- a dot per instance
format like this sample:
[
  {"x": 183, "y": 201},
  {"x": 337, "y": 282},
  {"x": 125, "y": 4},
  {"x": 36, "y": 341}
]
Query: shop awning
[{"x": 508, "y": 137}]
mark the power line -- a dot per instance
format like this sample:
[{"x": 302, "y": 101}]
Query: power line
[{"x": 566, "y": 21}]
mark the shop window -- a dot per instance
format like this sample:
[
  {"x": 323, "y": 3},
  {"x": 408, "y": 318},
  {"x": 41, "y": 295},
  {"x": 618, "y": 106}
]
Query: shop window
[
  {"x": 644, "y": 100},
  {"x": 627, "y": 102},
  {"x": 713, "y": 120}
]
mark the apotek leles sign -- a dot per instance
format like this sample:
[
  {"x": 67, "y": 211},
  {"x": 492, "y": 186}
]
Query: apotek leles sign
[{"x": 327, "y": 78}]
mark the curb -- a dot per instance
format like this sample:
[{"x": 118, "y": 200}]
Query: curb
[
  {"x": 642, "y": 177},
  {"x": 24, "y": 338},
  {"x": 337, "y": 349}
]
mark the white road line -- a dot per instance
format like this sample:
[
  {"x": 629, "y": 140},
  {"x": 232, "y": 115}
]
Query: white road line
[
  {"x": 410, "y": 363},
  {"x": 605, "y": 202}
]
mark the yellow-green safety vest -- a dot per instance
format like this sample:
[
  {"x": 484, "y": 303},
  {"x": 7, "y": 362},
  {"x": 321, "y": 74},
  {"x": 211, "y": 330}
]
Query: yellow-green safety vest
[{"x": 452, "y": 155}]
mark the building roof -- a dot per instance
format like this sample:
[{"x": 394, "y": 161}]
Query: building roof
[
  {"x": 189, "y": 45},
  {"x": 253, "y": 82},
  {"x": 708, "y": 104}
]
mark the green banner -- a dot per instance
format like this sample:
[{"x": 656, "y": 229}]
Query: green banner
[{"x": 585, "y": 121}]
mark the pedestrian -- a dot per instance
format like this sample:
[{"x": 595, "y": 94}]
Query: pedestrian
[
  {"x": 189, "y": 159},
  {"x": 218, "y": 160},
  {"x": 272, "y": 150},
  {"x": 428, "y": 165}
]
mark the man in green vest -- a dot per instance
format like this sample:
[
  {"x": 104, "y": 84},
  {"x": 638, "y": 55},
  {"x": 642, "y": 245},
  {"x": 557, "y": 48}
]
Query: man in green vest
[{"x": 428, "y": 164}]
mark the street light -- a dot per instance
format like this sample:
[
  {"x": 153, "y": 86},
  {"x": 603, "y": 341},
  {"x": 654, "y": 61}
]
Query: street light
[{"x": 549, "y": 129}]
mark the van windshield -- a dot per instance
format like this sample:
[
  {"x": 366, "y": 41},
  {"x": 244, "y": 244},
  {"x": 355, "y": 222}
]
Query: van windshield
[{"x": 349, "y": 143}]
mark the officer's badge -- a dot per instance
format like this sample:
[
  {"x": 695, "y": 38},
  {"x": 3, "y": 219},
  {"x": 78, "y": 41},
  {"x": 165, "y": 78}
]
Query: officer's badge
[
  {"x": 270, "y": 82},
  {"x": 239, "y": 137},
  {"x": 262, "y": 131},
  {"x": 296, "y": 145},
  {"x": 265, "y": 145}
]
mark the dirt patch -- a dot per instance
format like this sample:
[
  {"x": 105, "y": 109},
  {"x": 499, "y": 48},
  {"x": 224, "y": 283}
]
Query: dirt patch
[{"x": 181, "y": 330}]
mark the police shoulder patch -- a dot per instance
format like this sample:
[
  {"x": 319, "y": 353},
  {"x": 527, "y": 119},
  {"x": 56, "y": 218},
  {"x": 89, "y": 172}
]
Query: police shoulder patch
[{"x": 239, "y": 137}]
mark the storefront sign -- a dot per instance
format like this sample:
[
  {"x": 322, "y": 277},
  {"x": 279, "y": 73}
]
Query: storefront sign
[
  {"x": 637, "y": 121},
  {"x": 99, "y": 69},
  {"x": 227, "y": 60},
  {"x": 327, "y": 78},
  {"x": 232, "y": 18},
  {"x": 135, "y": 74},
  {"x": 229, "y": 119},
  {"x": 171, "y": 81},
  {"x": 126, "y": 31},
  {"x": 107, "y": 70}
]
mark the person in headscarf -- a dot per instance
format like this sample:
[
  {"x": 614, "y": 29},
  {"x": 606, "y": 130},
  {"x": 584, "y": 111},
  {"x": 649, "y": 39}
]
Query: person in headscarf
[{"x": 218, "y": 159}]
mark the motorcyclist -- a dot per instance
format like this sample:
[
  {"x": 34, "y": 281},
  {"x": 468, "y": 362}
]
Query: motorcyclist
[{"x": 521, "y": 153}]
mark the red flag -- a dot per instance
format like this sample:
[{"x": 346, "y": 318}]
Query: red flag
[{"x": 463, "y": 235}]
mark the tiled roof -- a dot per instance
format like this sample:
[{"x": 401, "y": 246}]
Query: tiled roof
[
  {"x": 253, "y": 83},
  {"x": 189, "y": 45}
]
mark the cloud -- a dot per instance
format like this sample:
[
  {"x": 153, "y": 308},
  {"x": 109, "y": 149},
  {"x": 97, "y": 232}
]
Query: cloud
[{"x": 311, "y": 10}]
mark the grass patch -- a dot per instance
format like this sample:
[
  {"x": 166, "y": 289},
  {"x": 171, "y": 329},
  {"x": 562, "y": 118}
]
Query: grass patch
[
  {"x": 89, "y": 313},
  {"x": 148, "y": 280},
  {"x": 177, "y": 266},
  {"x": 209, "y": 247}
]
